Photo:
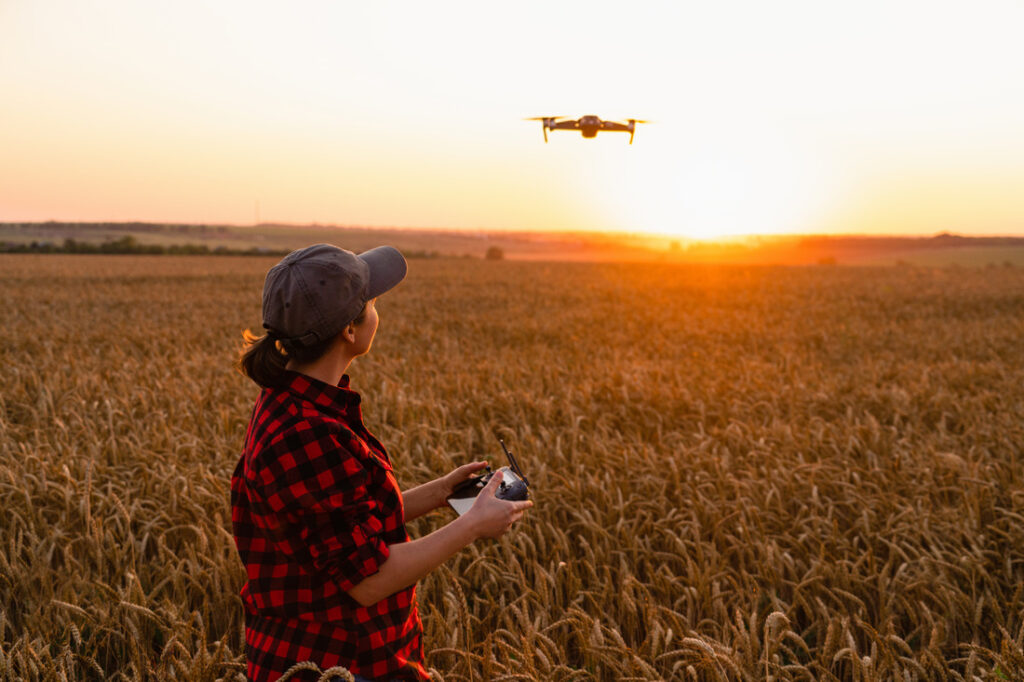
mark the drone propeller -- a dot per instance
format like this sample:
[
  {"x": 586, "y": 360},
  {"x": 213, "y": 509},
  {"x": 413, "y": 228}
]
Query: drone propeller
[
  {"x": 632, "y": 127},
  {"x": 544, "y": 124}
]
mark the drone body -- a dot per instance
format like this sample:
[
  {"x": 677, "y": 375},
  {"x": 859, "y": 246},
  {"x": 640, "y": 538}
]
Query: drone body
[{"x": 589, "y": 125}]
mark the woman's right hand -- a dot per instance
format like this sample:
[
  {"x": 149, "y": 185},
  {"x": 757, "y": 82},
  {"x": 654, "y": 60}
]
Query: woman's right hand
[{"x": 493, "y": 517}]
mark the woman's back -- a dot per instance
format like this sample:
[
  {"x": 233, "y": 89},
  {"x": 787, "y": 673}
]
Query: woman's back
[{"x": 314, "y": 507}]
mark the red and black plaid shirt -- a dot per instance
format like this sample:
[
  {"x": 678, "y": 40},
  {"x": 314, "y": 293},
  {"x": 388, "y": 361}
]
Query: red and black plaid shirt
[{"x": 314, "y": 505}]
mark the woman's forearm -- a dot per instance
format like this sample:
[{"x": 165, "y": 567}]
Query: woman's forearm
[
  {"x": 422, "y": 499},
  {"x": 407, "y": 562}
]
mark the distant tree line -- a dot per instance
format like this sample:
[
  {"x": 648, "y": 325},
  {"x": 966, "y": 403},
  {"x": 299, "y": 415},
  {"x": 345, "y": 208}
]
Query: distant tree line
[
  {"x": 130, "y": 245},
  {"x": 55, "y": 225}
]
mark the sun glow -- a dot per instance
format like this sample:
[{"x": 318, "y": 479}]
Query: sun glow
[{"x": 676, "y": 185}]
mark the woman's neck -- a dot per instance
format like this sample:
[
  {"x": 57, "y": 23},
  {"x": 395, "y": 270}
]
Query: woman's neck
[{"x": 328, "y": 368}]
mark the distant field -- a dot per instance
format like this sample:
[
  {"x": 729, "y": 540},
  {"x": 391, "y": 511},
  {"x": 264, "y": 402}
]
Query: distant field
[
  {"x": 969, "y": 256},
  {"x": 741, "y": 473},
  {"x": 938, "y": 251},
  {"x": 285, "y": 238}
]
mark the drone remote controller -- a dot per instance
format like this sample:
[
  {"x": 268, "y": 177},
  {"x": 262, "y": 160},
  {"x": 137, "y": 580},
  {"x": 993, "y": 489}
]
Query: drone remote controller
[{"x": 513, "y": 486}]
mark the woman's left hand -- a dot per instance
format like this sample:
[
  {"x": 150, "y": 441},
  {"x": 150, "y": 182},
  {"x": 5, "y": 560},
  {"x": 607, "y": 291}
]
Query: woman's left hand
[{"x": 452, "y": 479}]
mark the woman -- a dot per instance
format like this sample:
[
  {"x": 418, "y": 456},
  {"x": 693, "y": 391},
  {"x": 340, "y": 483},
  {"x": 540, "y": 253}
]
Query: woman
[{"x": 318, "y": 517}]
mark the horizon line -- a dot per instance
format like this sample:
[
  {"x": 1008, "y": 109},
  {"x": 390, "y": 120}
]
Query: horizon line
[{"x": 532, "y": 232}]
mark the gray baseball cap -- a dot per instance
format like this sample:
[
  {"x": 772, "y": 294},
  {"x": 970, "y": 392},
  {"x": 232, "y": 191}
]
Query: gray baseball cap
[{"x": 314, "y": 292}]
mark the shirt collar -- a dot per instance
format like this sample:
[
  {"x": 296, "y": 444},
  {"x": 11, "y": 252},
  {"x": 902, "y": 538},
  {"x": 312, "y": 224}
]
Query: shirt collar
[{"x": 340, "y": 399}]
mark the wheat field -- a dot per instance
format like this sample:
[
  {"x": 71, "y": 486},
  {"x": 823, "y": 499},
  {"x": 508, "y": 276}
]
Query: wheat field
[{"x": 739, "y": 473}]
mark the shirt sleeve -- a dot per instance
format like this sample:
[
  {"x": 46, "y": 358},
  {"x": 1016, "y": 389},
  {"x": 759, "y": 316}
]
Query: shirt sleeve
[{"x": 320, "y": 501}]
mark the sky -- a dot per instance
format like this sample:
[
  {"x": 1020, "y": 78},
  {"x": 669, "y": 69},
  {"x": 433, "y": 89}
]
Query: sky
[{"x": 899, "y": 117}]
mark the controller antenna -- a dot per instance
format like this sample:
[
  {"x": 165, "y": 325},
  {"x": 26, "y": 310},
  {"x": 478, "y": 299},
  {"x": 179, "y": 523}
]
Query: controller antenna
[{"x": 513, "y": 464}]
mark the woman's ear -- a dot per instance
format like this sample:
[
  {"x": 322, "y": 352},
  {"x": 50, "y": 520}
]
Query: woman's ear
[{"x": 349, "y": 333}]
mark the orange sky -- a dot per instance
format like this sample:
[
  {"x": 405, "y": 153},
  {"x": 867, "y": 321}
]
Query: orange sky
[{"x": 900, "y": 117}]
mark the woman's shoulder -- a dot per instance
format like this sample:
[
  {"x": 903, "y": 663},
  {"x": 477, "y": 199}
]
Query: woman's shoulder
[
  {"x": 302, "y": 445},
  {"x": 281, "y": 409},
  {"x": 292, "y": 423}
]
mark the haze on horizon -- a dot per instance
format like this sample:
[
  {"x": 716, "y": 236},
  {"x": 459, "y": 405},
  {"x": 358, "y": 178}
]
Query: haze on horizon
[{"x": 881, "y": 117}]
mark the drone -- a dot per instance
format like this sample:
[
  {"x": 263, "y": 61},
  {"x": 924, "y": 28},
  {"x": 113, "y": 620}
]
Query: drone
[{"x": 589, "y": 126}]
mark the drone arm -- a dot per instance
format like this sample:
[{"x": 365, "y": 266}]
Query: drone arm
[{"x": 544, "y": 126}]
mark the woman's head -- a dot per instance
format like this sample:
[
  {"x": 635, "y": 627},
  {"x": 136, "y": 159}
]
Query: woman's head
[{"x": 315, "y": 297}]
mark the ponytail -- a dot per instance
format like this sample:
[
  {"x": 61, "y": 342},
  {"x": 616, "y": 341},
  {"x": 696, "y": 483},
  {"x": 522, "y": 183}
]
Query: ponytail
[{"x": 263, "y": 360}]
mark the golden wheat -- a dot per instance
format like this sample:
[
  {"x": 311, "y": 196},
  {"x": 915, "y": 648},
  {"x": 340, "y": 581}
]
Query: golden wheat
[{"x": 740, "y": 473}]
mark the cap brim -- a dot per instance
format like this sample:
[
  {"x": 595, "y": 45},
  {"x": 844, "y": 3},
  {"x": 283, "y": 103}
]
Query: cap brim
[{"x": 387, "y": 268}]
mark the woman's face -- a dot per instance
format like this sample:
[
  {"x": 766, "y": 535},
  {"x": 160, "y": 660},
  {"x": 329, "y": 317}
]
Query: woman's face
[{"x": 367, "y": 328}]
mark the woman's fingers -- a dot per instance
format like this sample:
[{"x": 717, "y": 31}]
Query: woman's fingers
[
  {"x": 457, "y": 476},
  {"x": 495, "y": 516},
  {"x": 466, "y": 470},
  {"x": 471, "y": 468},
  {"x": 492, "y": 485},
  {"x": 518, "y": 511}
]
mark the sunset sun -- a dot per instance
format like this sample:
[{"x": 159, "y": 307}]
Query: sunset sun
[{"x": 710, "y": 185}]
